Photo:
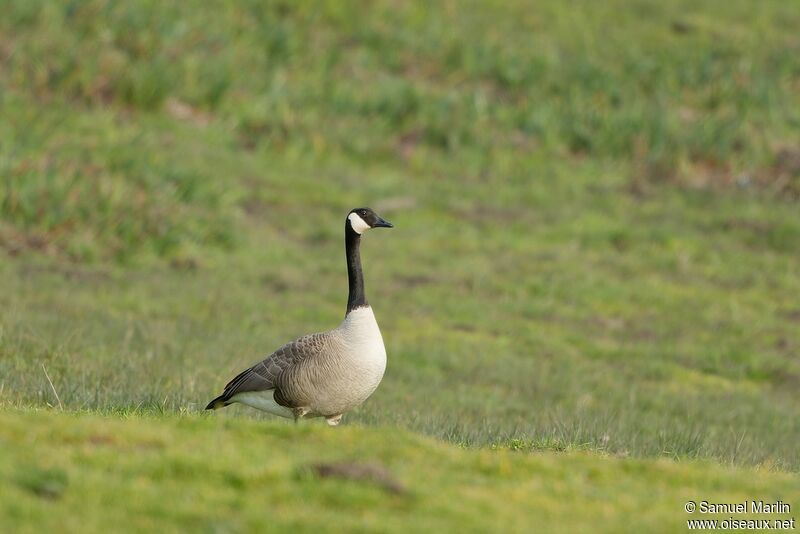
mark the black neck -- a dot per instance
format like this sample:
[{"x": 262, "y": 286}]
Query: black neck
[{"x": 355, "y": 276}]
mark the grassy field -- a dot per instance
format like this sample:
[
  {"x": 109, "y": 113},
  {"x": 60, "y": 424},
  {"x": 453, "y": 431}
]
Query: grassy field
[
  {"x": 597, "y": 248},
  {"x": 213, "y": 475}
]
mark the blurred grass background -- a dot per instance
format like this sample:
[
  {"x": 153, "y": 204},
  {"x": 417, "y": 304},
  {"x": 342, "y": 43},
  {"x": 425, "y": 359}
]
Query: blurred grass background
[{"x": 596, "y": 209}]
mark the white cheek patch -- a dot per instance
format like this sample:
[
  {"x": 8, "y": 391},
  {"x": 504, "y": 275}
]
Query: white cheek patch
[{"x": 358, "y": 223}]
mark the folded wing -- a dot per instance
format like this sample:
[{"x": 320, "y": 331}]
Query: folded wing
[{"x": 264, "y": 375}]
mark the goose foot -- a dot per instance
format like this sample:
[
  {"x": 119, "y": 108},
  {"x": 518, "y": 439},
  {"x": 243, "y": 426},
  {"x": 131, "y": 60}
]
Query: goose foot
[{"x": 333, "y": 420}]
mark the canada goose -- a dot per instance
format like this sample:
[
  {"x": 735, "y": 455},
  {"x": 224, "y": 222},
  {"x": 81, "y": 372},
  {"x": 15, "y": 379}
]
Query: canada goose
[{"x": 324, "y": 374}]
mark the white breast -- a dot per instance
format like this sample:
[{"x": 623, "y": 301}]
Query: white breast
[
  {"x": 360, "y": 331},
  {"x": 358, "y": 367}
]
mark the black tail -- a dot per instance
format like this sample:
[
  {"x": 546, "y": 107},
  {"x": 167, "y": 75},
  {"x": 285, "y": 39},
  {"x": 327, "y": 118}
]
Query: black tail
[{"x": 217, "y": 403}]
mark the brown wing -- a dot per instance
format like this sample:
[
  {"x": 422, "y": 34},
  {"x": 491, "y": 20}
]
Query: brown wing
[{"x": 264, "y": 375}]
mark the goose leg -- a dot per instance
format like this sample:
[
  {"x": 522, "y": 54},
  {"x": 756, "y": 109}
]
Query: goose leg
[{"x": 299, "y": 413}]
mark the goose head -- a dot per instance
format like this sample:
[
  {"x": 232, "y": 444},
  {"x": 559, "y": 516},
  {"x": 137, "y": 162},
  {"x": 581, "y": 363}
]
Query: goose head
[{"x": 362, "y": 219}]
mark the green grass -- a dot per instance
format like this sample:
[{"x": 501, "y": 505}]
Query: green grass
[
  {"x": 596, "y": 210},
  {"x": 700, "y": 94},
  {"x": 79, "y": 471}
]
